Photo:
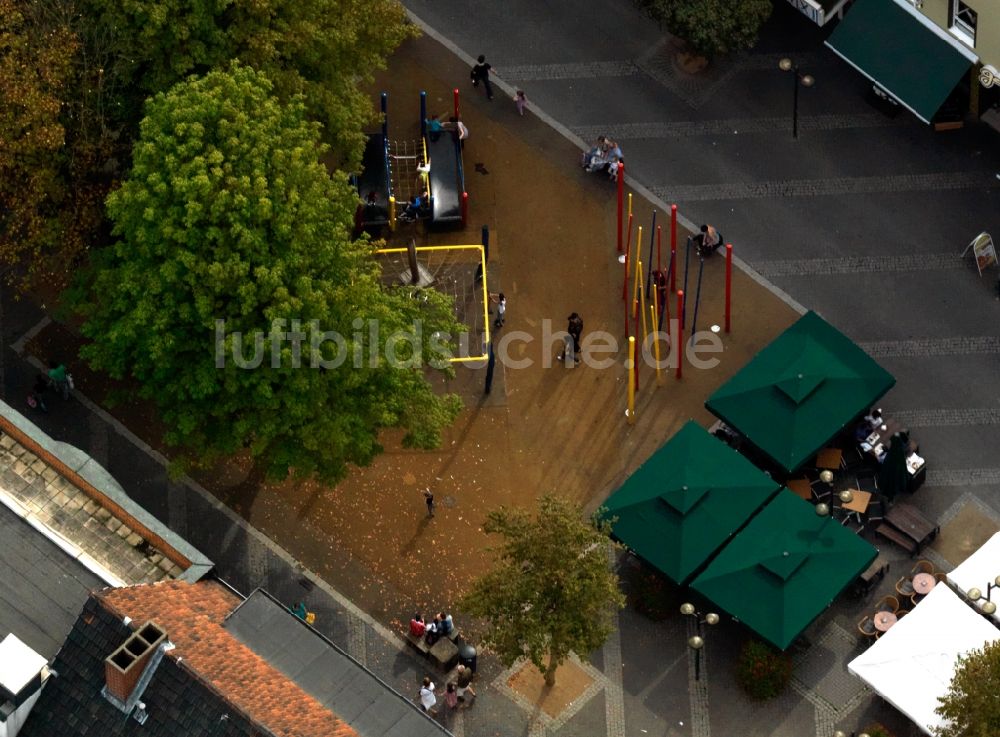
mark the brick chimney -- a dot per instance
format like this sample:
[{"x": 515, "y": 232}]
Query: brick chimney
[
  {"x": 23, "y": 672},
  {"x": 126, "y": 665}
]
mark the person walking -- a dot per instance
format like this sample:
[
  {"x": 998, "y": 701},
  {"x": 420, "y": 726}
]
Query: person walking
[
  {"x": 427, "y": 697},
  {"x": 574, "y": 327},
  {"x": 36, "y": 397},
  {"x": 463, "y": 683},
  {"x": 501, "y": 303},
  {"x": 59, "y": 378},
  {"x": 481, "y": 73},
  {"x": 429, "y": 501},
  {"x": 451, "y": 697},
  {"x": 520, "y": 102}
]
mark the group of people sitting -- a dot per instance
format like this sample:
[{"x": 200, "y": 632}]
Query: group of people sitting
[
  {"x": 441, "y": 626},
  {"x": 606, "y": 155}
]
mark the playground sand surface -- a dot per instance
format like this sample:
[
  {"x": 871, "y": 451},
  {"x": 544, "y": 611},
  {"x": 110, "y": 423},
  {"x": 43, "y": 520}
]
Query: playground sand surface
[
  {"x": 559, "y": 430},
  {"x": 541, "y": 430}
]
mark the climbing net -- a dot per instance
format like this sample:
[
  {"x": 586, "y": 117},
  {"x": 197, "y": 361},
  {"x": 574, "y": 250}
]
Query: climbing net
[
  {"x": 407, "y": 158},
  {"x": 452, "y": 270}
]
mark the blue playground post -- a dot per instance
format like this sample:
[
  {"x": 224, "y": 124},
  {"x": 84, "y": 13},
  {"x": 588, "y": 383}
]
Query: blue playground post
[
  {"x": 649, "y": 269},
  {"x": 486, "y": 243},
  {"x": 687, "y": 263},
  {"x": 385, "y": 116},
  {"x": 697, "y": 298},
  {"x": 423, "y": 113}
]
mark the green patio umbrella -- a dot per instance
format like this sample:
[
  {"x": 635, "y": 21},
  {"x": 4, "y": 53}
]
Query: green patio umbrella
[
  {"x": 684, "y": 502},
  {"x": 784, "y": 568},
  {"x": 800, "y": 391}
]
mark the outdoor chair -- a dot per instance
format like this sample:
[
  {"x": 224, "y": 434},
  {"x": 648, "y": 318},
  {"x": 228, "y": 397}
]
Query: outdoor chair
[
  {"x": 922, "y": 566},
  {"x": 867, "y": 626},
  {"x": 889, "y": 603},
  {"x": 876, "y": 510},
  {"x": 904, "y": 586},
  {"x": 866, "y": 481}
]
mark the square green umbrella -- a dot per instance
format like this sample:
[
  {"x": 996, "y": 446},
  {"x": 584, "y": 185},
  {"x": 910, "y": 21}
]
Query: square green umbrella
[
  {"x": 683, "y": 503},
  {"x": 784, "y": 568},
  {"x": 801, "y": 390}
]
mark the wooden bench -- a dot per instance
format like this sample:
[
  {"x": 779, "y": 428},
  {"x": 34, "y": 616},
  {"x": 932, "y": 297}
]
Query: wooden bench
[{"x": 901, "y": 539}]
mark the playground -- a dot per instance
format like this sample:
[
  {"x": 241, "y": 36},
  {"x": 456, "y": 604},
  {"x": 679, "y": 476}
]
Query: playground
[{"x": 553, "y": 251}]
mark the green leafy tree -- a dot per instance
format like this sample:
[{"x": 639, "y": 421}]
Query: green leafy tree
[
  {"x": 323, "y": 50},
  {"x": 228, "y": 214},
  {"x": 711, "y": 27},
  {"x": 551, "y": 591},
  {"x": 971, "y": 706}
]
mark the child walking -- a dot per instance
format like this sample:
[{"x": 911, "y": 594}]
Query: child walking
[
  {"x": 520, "y": 101},
  {"x": 501, "y": 310}
]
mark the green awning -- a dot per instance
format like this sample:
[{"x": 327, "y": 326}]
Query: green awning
[
  {"x": 686, "y": 501},
  {"x": 903, "y": 52},
  {"x": 800, "y": 391},
  {"x": 784, "y": 569}
]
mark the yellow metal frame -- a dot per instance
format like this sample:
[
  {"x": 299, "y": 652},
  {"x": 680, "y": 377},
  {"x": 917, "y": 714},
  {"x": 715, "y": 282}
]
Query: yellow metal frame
[{"x": 486, "y": 292}]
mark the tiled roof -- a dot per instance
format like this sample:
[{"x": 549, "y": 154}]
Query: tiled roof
[
  {"x": 192, "y": 615},
  {"x": 177, "y": 701}
]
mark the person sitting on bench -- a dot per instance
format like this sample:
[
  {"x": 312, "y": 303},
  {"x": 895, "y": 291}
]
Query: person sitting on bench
[
  {"x": 433, "y": 632},
  {"x": 417, "y": 626},
  {"x": 446, "y": 624},
  {"x": 708, "y": 240}
]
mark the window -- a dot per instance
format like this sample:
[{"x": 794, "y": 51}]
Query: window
[{"x": 963, "y": 22}]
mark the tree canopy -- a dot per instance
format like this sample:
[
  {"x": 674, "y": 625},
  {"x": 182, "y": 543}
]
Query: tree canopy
[
  {"x": 551, "y": 591},
  {"x": 971, "y": 705},
  {"x": 228, "y": 214},
  {"x": 712, "y": 27},
  {"x": 321, "y": 49}
]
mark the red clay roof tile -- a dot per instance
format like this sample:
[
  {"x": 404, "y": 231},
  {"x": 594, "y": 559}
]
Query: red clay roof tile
[{"x": 192, "y": 615}]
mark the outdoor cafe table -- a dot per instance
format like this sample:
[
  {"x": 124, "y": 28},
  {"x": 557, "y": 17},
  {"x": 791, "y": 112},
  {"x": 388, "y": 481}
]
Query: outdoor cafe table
[
  {"x": 907, "y": 519},
  {"x": 884, "y": 620},
  {"x": 923, "y": 583}
]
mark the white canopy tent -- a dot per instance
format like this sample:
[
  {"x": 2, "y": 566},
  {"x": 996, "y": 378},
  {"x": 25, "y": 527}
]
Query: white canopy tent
[
  {"x": 979, "y": 569},
  {"x": 912, "y": 664}
]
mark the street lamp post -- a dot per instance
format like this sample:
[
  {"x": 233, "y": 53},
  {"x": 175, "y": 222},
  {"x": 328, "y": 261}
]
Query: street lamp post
[
  {"x": 988, "y": 607},
  {"x": 806, "y": 80},
  {"x": 696, "y": 642}
]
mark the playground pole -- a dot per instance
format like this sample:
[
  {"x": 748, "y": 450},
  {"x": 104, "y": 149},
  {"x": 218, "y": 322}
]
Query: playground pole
[
  {"x": 649, "y": 261},
  {"x": 642, "y": 306},
  {"x": 423, "y": 114},
  {"x": 656, "y": 344},
  {"x": 630, "y": 204},
  {"x": 456, "y": 102},
  {"x": 486, "y": 242},
  {"x": 682, "y": 316},
  {"x": 630, "y": 414},
  {"x": 465, "y": 207},
  {"x": 697, "y": 298},
  {"x": 638, "y": 265},
  {"x": 621, "y": 197},
  {"x": 729, "y": 282},
  {"x": 673, "y": 266},
  {"x": 678, "y": 346},
  {"x": 673, "y": 227},
  {"x": 659, "y": 232},
  {"x": 628, "y": 251},
  {"x": 392, "y": 212},
  {"x": 385, "y": 118}
]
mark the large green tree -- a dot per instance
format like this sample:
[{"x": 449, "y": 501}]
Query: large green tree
[
  {"x": 321, "y": 49},
  {"x": 711, "y": 27},
  {"x": 228, "y": 214},
  {"x": 551, "y": 591},
  {"x": 972, "y": 704}
]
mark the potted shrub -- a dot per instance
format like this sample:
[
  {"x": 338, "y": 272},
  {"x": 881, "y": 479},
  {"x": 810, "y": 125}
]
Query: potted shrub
[
  {"x": 709, "y": 27},
  {"x": 762, "y": 671}
]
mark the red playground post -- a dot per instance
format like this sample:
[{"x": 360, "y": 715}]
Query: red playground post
[
  {"x": 465, "y": 207},
  {"x": 679, "y": 346},
  {"x": 456, "y": 102},
  {"x": 673, "y": 267},
  {"x": 621, "y": 197},
  {"x": 729, "y": 283}
]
